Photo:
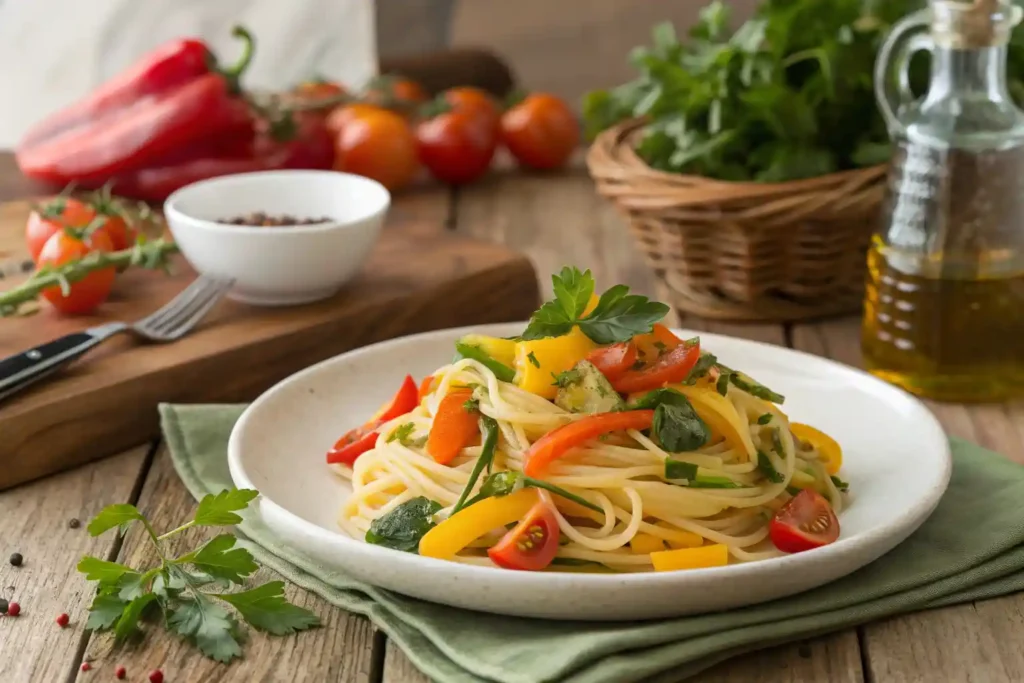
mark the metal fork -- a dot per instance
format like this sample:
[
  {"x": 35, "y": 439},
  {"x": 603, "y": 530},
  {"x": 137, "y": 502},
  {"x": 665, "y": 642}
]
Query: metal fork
[{"x": 170, "y": 323}]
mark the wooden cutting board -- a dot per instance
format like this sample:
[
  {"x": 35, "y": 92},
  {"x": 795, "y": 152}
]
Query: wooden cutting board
[{"x": 419, "y": 277}]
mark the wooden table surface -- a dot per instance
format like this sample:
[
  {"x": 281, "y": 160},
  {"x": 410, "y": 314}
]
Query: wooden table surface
[{"x": 556, "y": 220}]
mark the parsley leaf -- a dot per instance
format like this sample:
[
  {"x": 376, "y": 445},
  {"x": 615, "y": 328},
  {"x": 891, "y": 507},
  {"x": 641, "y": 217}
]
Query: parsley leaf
[
  {"x": 618, "y": 316},
  {"x": 567, "y": 378},
  {"x": 120, "y": 514},
  {"x": 677, "y": 469},
  {"x": 128, "y": 623},
  {"x": 220, "y": 559},
  {"x": 471, "y": 405},
  {"x": 218, "y": 510},
  {"x": 265, "y": 608},
  {"x": 679, "y": 428},
  {"x": 533, "y": 359},
  {"x": 103, "y": 571},
  {"x": 104, "y": 612},
  {"x": 701, "y": 368},
  {"x": 402, "y": 433},
  {"x": 208, "y": 625},
  {"x": 404, "y": 526}
]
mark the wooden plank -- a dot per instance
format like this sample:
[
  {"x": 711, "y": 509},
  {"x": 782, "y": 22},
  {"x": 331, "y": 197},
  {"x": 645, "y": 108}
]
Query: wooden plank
[
  {"x": 342, "y": 650},
  {"x": 35, "y": 524},
  {"x": 834, "y": 658},
  {"x": 419, "y": 278},
  {"x": 398, "y": 668},
  {"x": 955, "y": 643}
]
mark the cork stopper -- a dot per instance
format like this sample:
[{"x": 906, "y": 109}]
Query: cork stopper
[{"x": 973, "y": 24}]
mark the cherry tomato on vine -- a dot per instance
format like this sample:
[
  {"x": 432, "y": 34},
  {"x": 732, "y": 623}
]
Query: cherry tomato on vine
[
  {"x": 379, "y": 145},
  {"x": 52, "y": 217},
  {"x": 456, "y": 146},
  {"x": 388, "y": 90},
  {"x": 341, "y": 116},
  {"x": 807, "y": 521},
  {"x": 85, "y": 295},
  {"x": 541, "y": 131},
  {"x": 318, "y": 89},
  {"x": 475, "y": 102}
]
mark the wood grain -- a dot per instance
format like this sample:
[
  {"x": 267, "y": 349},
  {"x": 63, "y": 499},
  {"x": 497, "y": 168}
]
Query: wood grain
[
  {"x": 35, "y": 523},
  {"x": 417, "y": 279},
  {"x": 341, "y": 650}
]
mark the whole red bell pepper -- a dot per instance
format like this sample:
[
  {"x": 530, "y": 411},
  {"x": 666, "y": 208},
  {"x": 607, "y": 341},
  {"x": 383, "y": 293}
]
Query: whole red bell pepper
[
  {"x": 307, "y": 145},
  {"x": 133, "y": 123}
]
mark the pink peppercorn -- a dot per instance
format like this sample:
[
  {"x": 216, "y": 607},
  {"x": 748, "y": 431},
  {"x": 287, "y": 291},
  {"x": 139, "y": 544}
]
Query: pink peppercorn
[
  {"x": 62, "y": 620},
  {"x": 156, "y": 676},
  {"x": 13, "y": 609},
  {"x": 119, "y": 672},
  {"x": 85, "y": 666}
]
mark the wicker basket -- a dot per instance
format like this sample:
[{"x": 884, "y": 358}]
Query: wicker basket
[{"x": 744, "y": 251}]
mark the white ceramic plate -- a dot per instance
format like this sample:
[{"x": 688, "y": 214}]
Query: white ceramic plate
[{"x": 896, "y": 459}]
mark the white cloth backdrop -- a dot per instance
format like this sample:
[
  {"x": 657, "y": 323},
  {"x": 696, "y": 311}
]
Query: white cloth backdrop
[{"x": 55, "y": 51}]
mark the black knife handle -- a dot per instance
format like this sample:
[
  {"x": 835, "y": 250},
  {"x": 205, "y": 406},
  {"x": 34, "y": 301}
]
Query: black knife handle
[{"x": 22, "y": 369}]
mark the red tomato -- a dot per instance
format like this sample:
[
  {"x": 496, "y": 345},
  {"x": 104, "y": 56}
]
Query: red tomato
[
  {"x": 361, "y": 439},
  {"x": 115, "y": 224},
  {"x": 541, "y": 131},
  {"x": 613, "y": 361},
  {"x": 532, "y": 544},
  {"x": 51, "y": 217},
  {"x": 379, "y": 145},
  {"x": 456, "y": 146},
  {"x": 670, "y": 368},
  {"x": 557, "y": 442},
  {"x": 341, "y": 116},
  {"x": 655, "y": 343},
  {"x": 453, "y": 428},
  {"x": 318, "y": 89},
  {"x": 805, "y": 522},
  {"x": 86, "y": 294},
  {"x": 474, "y": 102},
  {"x": 388, "y": 90}
]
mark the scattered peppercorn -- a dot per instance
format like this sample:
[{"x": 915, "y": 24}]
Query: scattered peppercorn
[
  {"x": 119, "y": 672},
  {"x": 13, "y": 609},
  {"x": 62, "y": 620},
  {"x": 156, "y": 676},
  {"x": 74, "y": 523},
  {"x": 16, "y": 559},
  {"x": 86, "y": 666}
]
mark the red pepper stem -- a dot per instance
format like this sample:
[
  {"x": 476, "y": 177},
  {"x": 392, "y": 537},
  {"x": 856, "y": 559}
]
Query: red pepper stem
[{"x": 233, "y": 74}]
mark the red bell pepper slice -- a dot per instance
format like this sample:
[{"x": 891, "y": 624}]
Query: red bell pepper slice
[
  {"x": 670, "y": 368},
  {"x": 613, "y": 361},
  {"x": 558, "y": 442},
  {"x": 363, "y": 438}
]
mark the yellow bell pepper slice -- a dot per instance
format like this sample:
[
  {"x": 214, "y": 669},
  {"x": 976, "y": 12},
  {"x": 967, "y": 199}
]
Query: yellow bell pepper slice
[
  {"x": 538, "y": 359},
  {"x": 825, "y": 444},
  {"x": 501, "y": 350},
  {"x": 720, "y": 416},
  {"x": 591, "y": 305},
  {"x": 680, "y": 538},
  {"x": 716, "y": 555},
  {"x": 644, "y": 544},
  {"x": 446, "y": 539}
]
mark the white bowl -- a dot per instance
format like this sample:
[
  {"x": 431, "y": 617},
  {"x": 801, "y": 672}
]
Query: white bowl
[
  {"x": 279, "y": 265},
  {"x": 896, "y": 459}
]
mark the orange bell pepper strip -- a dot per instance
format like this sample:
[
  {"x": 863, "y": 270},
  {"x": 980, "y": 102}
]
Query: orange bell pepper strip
[
  {"x": 454, "y": 427},
  {"x": 363, "y": 438},
  {"x": 556, "y": 443}
]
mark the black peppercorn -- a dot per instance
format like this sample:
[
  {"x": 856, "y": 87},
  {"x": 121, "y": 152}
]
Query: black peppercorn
[
  {"x": 16, "y": 559},
  {"x": 3, "y": 606},
  {"x": 74, "y": 523}
]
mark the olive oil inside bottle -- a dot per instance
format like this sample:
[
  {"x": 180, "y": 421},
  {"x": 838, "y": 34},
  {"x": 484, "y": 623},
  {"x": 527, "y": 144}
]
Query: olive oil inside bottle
[{"x": 958, "y": 337}]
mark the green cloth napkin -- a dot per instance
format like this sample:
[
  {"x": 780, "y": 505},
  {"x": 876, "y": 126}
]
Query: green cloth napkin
[{"x": 971, "y": 548}]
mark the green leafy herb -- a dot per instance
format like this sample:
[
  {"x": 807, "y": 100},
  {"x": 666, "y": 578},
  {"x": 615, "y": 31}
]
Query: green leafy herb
[
  {"x": 618, "y": 316},
  {"x": 839, "y": 483},
  {"x": 489, "y": 431},
  {"x": 722, "y": 385},
  {"x": 678, "y": 428},
  {"x": 503, "y": 483},
  {"x": 464, "y": 349},
  {"x": 533, "y": 359},
  {"x": 567, "y": 377},
  {"x": 787, "y": 95},
  {"x": 402, "y": 433},
  {"x": 677, "y": 469},
  {"x": 701, "y": 368},
  {"x": 404, "y": 526},
  {"x": 472, "y": 405},
  {"x": 750, "y": 386},
  {"x": 175, "y": 587},
  {"x": 764, "y": 419},
  {"x": 764, "y": 463},
  {"x": 653, "y": 399}
]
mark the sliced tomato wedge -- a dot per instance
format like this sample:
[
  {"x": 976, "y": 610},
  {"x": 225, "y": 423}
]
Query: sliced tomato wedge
[
  {"x": 670, "y": 368},
  {"x": 361, "y": 439},
  {"x": 805, "y": 522},
  {"x": 532, "y": 544},
  {"x": 557, "y": 442},
  {"x": 454, "y": 427},
  {"x": 613, "y": 361},
  {"x": 655, "y": 343}
]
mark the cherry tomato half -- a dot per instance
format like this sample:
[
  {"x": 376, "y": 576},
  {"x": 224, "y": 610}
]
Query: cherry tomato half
[
  {"x": 805, "y": 522},
  {"x": 670, "y": 368},
  {"x": 380, "y": 145},
  {"x": 541, "y": 131},
  {"x": 532, "y": 544},
  {"x": 84, "y": 295},
  {"x": 615, "y": 360},
  {"x": 456, "y": 146},
  {"x": 52, "y": 217}
]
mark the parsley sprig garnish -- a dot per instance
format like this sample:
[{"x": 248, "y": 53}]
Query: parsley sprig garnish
[
  {"x": 189, "y": 590},
  {"x": 618, "y": 316}
]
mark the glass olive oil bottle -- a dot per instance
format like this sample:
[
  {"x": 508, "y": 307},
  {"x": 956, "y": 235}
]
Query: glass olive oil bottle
[{"x": 944, "y": 307}]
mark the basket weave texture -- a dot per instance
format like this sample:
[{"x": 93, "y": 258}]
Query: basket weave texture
[{"x": 744, "y": 251}]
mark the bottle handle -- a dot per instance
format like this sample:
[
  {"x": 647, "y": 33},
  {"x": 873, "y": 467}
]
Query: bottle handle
[{"x": 908, "y": 45}]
